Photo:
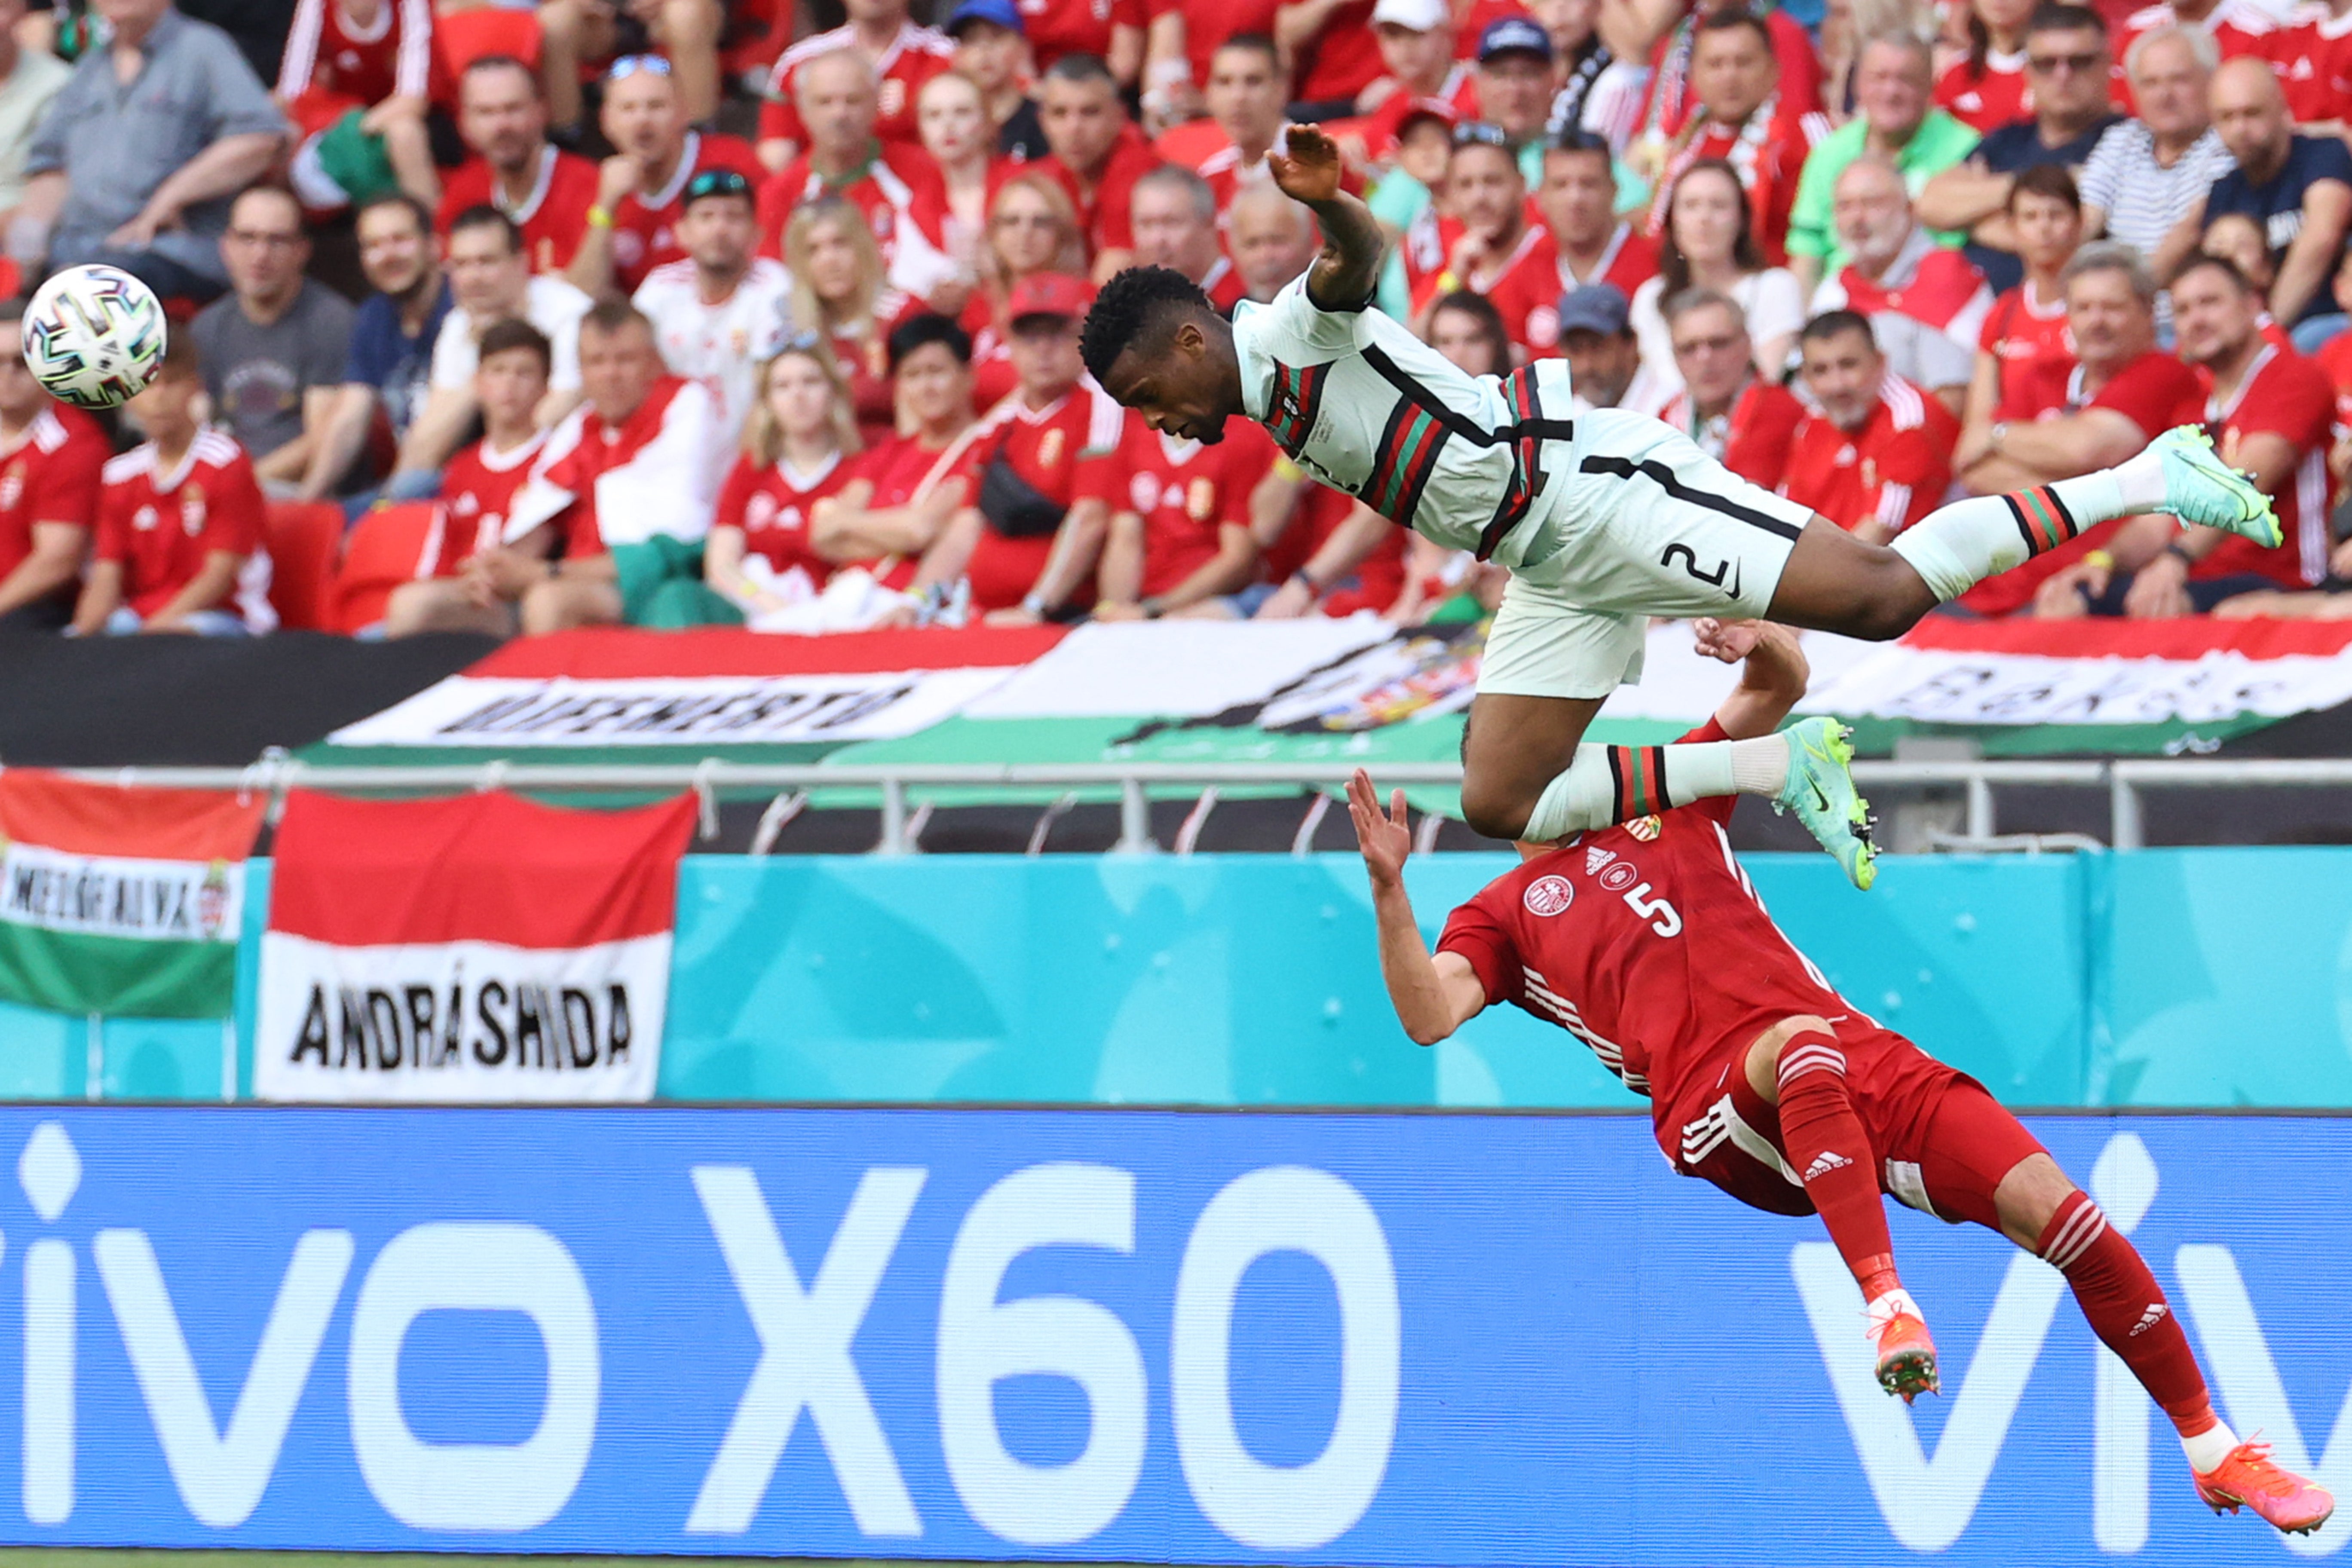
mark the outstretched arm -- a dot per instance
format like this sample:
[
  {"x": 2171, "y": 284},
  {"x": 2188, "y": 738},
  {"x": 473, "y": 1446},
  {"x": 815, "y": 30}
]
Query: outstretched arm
[
  {"x": 1771, "y": 680},
  {"x": 1432, "y": 997},
  {"x": 1348, "y": 269}
]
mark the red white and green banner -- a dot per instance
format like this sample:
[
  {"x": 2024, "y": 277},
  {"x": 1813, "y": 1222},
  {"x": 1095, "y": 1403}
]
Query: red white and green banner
[
  {"x": 117, "y": 901},
  {"x": 481, "y": 949}
]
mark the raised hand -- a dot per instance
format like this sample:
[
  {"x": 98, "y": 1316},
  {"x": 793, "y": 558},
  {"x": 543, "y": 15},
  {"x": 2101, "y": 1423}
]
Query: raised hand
[
  {"x": 1311, "y": 173},
  {"x": 1383, "y": 836}
]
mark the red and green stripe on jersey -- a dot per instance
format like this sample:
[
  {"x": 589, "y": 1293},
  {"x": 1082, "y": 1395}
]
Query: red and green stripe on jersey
[
  {"x": 1403, "y": 461},
  {"x": 1297, "y": 397},
  {"x": 2041, "y": 518}
]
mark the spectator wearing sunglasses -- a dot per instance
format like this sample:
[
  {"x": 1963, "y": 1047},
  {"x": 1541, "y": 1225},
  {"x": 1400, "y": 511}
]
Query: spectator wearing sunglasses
[
  {"x": 718, "y": 310},
  {"x": 1483, "y": 241},
  {"x": 593, "y": 33},
  {"x": 641, "y": 189},
  {"x": 2068, "y": 68}
]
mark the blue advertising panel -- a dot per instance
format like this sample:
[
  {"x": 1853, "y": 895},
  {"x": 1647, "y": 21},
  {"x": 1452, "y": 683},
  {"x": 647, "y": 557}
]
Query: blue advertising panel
[{"x": 1103, "y": 1335}]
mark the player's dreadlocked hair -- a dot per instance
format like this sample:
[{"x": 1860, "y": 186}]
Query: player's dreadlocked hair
[{"x": 1131, "y": 306}]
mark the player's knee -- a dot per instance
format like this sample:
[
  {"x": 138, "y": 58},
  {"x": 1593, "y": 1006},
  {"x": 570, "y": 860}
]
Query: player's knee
[
  {"x": 1766, "y": 1055},
  {"x": 1495, "y": 808}
]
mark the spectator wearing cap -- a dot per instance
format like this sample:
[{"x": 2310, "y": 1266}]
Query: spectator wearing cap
[
  {"x": 142, "y": 179},
  {"x": 911, "y": 485},
  {"x": 273, "y": 347},
  {"x": 471, "y": 577},
  {"x": 900, "y": 57},
  {"x": 2123, "y": 392},
  {"x": 1484, "y": 241},
  {"x": 2068, "y": 67},
  {"x": 718, "y": 310},
  {"x": 1604, "y": 358},
  {"x": 1876, "y": 454},
  {"x": 2299, "y": 188},
  {"x": 1044, "y": 472},
  {"x": 1578, "y": 199},
  {"x": 1416, "y": 39},
  {"x": 1926, "y": 304},
  {"x": 838, "y": 293},
  {"x": 992, "y": 48},
  {"x": 2023, "y": 351},
  {"x": 1665, "y": 32},
  {"x": 596, "y": 34},
  {"x": 1247, "y": 90},
  {"x": 1176, "y": 227},
  {"x": 1272, "y": 239},
  {"x": 502, "y": 119},
  {"x": 490, "y": 281},
  {"x": 1739, "y": 418},
  {"x": 1710, "y": 243},
  {"x": 1742, "y": 119},
  {"x": 1333, "y": 53},
  {"x": 1894, "y": 118},
  {"x": 641, "y": 188},
  {"x": 356, "y": 80},
  {"x": 1513, "y": 87},
  {"x": 1098, "y": 156},
  {"x": 390, "y": 364},
  {"x": 627, "y": 481},
  {"x": 845, "y": 158}
]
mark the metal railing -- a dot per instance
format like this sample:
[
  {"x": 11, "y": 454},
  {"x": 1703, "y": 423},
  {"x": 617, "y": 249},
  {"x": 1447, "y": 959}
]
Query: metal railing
[{"x": 2124, "y": 780}]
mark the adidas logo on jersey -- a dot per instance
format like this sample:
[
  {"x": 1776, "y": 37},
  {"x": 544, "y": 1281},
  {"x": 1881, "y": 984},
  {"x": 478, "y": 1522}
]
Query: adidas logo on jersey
[
  {"x": 1596, "y": 857},
  {"x": 2150, "y": 1318},
  {"x": 1829, "y": 1159}
]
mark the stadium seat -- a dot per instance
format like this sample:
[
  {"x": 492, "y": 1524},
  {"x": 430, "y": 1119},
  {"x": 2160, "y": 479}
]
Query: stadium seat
[
  {"x": 387, "y": 547},
  {"x": 304, "y": 538},
  {"x": 464, "y": 36}
]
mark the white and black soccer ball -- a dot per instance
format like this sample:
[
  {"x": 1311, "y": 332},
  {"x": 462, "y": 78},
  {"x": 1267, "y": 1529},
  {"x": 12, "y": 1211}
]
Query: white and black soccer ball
[{"x": 94, "y": 336}]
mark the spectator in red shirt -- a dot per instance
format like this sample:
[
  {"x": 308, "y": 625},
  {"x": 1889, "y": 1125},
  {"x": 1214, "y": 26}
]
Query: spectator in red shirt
[
  {"x": 2123, "y": 392},
  {"x": 641, "y": 189},
  {"x": 1098, "y": 156},
  {"x": 1743, "y": 420},
  {"x": 950, "y": 213},
  {"x": 1032, "y": 228},
  {"x": 1247, "y": 90},
  {"x": 1578, "y": 200},
  {"x": 515, "y": 168},
  {"x": 1744, "y": 121},
  {"x": 477, "y": 489},
  {"x": 838, "y": 293},
  {"x": 1273, "y": 237},
  {"x": 1110, "y": 30},
  {"x": 2271, "y": 412},
  {"x": 1926, "y": 304},
  {"x": 1176, "y": 225},
  {"x": 911, "y": 486},
  {"x": 901, "y": 56},
  {"x": 50, "y": 455},
  {"x": 1489, "y": 246},
  {"x": 1332, "y": 51},
  {"x": 1985, "y": 87},
  {"x": 1181, "y": 536},
  {"x": 845, "y": 159},
  {"x": 1044, "y": 469},
  {"x": 1877, "y": 456},
  {"x": 1184, "y": 36},
  {"x": 800, "y": 450},
  {"x": 178, "y": 517},
  {"x": 370, "y": 61},
  {"x": 590, "y": 33},
  {"x": 2024, "y": 354}
]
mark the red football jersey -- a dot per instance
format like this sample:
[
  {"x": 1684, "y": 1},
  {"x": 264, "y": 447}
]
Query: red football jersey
[
  {"x": 1519, "y": 282},
  {"x": 161, "y": 526},
  {"x": 883, "y": 189},
  {"x": 1769, "y": 155},
  {"x": 1986, "y": 99},
  {"x": 916, "y": 56},
  {"x": 2287, "y": 396},
  {"x": 1753, "y": 439},
  {"x": 772, "y": 506},
  {"x": 2236, "y": 27},
  {"x": 1104, "y": 211},
  {"x": 49, "y": 474},
  {"x": 1209, "y": 22},
  {"x": 2035, "y": 351},
  {"x": 1647, "y": 943},
  {"x": 552, "y": 218},
  {"x": 1186, "y": 494},
  {"x": 2313, "y": 51},
  {"x": 477, "y": 487},
  {"x": 642, "y": 227},
  {"x": 1058, "y": 27},
  {"x": 902, "y": 470},
  {"x": 1945, "y": 291},
  {"x": 1629, "y": 260},
  {"x": 2155, "y": 392},
  {"x": 1341, "y": 59},
  {"x": 332, "y": 64},
  {"x": 1067, "y": 450},
  {"x": 1893, "y": 470},
  {"x": 1670, "y": 100}
]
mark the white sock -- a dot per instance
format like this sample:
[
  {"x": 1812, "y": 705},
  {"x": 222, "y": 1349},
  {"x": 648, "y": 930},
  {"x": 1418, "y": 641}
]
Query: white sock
[
  {"x": 1954, "y": 548},
  {"x": 1896, "y": 1300},
  {"x": 1608, "y": 784},
  {"x": 2209, "y": 1447}
]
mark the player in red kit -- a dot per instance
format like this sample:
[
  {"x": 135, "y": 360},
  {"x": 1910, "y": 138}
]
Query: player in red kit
[{"x": 1647, "y": 943}]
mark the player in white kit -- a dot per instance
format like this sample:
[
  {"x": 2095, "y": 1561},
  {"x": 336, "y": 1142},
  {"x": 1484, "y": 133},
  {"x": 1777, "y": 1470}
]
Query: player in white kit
[{"x": 1604, "y": 519}]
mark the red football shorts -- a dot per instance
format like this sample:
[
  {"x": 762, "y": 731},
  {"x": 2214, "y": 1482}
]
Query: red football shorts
[{"x": 1943, "y": 1143}]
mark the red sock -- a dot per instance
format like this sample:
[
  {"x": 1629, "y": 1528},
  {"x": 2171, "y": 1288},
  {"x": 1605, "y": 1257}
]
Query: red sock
[
  {"x": 1832, "y": 1154},
  {"x": 2126, "y": 1310}
]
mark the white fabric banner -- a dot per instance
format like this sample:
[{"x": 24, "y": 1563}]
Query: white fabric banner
[
  {"x": 1175, "y": 669},
  {"x": 459, "y": 1022}
]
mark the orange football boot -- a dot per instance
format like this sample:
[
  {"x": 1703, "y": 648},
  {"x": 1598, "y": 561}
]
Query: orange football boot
[{"x": 2249, "y": 1476}]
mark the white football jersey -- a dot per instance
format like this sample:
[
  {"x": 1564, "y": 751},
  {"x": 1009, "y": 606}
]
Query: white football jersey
[{"x": 722, "y": 346}]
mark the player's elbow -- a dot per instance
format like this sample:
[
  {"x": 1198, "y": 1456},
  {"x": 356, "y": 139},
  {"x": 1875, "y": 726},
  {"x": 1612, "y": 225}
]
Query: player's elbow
[{"x": 1428, "y": 1031}]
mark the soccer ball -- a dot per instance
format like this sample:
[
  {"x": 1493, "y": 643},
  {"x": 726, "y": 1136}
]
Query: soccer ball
[{"x": 93, "y": 336}]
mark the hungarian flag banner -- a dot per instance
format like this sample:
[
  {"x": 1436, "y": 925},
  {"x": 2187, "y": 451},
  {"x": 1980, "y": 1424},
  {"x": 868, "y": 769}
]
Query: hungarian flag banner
[
  {"x": 481, "y": 949},
  {"x": 122, "y": 900}
]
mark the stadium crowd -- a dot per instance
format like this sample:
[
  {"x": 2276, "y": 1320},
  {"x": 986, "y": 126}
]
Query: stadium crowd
[{"x": 609, "y": 364}]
